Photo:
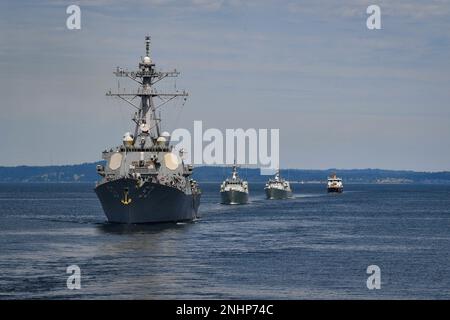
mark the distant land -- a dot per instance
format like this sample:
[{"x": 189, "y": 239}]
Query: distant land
[{"x": 86, "y": 172}]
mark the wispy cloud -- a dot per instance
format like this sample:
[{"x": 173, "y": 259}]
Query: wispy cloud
[{"x": 355, "y": 8}]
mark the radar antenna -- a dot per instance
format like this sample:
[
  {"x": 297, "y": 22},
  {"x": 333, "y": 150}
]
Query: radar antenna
[{"x": 147, "y": 76}]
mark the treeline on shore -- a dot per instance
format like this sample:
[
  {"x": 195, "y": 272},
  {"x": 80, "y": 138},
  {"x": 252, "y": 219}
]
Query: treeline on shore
[{"x": 86, "y": 172}]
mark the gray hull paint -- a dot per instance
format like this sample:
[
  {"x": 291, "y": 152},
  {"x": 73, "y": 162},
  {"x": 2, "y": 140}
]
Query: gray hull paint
[
  {"x": 234, "y": 197},
  {"x": 276, "y": 194},
  {"x": 150, "y": 203}
]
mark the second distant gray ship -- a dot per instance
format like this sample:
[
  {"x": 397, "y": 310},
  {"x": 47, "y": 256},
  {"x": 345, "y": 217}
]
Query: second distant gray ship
[{"x": 278, "y": 188}]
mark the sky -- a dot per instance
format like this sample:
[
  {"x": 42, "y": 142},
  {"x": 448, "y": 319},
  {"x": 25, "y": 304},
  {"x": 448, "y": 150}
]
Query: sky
[{"x": 343, "y": 96}]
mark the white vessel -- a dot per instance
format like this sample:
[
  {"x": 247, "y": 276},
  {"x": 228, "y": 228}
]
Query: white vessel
[{"x": 335, "y": 184}]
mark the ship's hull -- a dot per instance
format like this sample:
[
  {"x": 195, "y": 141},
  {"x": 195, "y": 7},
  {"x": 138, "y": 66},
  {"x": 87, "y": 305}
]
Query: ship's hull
[
  {"x": 234, "y": 197},
  {"x": 335, "y": 190},
  {"x": 277, "y": 194},
  {"x": 123, "y": 201}
]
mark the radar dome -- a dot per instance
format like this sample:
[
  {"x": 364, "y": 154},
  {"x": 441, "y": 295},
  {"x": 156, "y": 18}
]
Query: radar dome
[
  {"x": 161, "y": 141},
  {"x": 166, "y": 135},
  {"x": 147, "y": 60},
  {"x": 127, "y": 139}
]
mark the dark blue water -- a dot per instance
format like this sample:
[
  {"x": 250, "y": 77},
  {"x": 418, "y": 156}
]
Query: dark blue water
[{"x": 314, "y": 246}]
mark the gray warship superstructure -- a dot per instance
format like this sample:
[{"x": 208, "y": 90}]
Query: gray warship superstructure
[
  {"x": 234, "y": 190},
  {"x": 278, "y": 188},
  {"x": 144, "y": 180}
]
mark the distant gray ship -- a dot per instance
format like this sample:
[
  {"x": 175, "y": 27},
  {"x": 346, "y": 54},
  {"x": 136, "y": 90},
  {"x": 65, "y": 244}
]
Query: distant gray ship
[
  {"x": 234, "y": 190},
  {"x": 278, "y": 188},
  {"x": 143, "y": 180}
]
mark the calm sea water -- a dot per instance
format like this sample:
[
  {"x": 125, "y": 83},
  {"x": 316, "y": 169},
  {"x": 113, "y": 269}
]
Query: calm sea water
[{"x": 315, "y": 246}]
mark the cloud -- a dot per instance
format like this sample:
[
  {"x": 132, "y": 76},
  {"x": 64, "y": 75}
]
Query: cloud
[
  {"x": 204, "y": 5},
  {"x": 416, "y": 9}
]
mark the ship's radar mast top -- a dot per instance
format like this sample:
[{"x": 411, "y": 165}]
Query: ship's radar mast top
[
  {"x": 147, "y": 46},
  {"x": 147, "y": 129},
  {"x": 234, "y": 174}
]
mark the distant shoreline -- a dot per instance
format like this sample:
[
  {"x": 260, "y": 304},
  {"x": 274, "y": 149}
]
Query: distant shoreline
[
  {"x": 86, "y": 173},
  {"x": 219, "y": 182}
]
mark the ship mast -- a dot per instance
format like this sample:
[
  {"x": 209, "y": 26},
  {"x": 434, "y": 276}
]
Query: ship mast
[
  {"x": 234, "y": 173},
  {"x": 147, "y": 128}
]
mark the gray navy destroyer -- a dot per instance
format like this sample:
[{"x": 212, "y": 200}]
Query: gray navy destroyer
[
  {"x": 234, "y": 190},
  {"x": 144, "y": 180},
  {"x": 278, "y": 188}
]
